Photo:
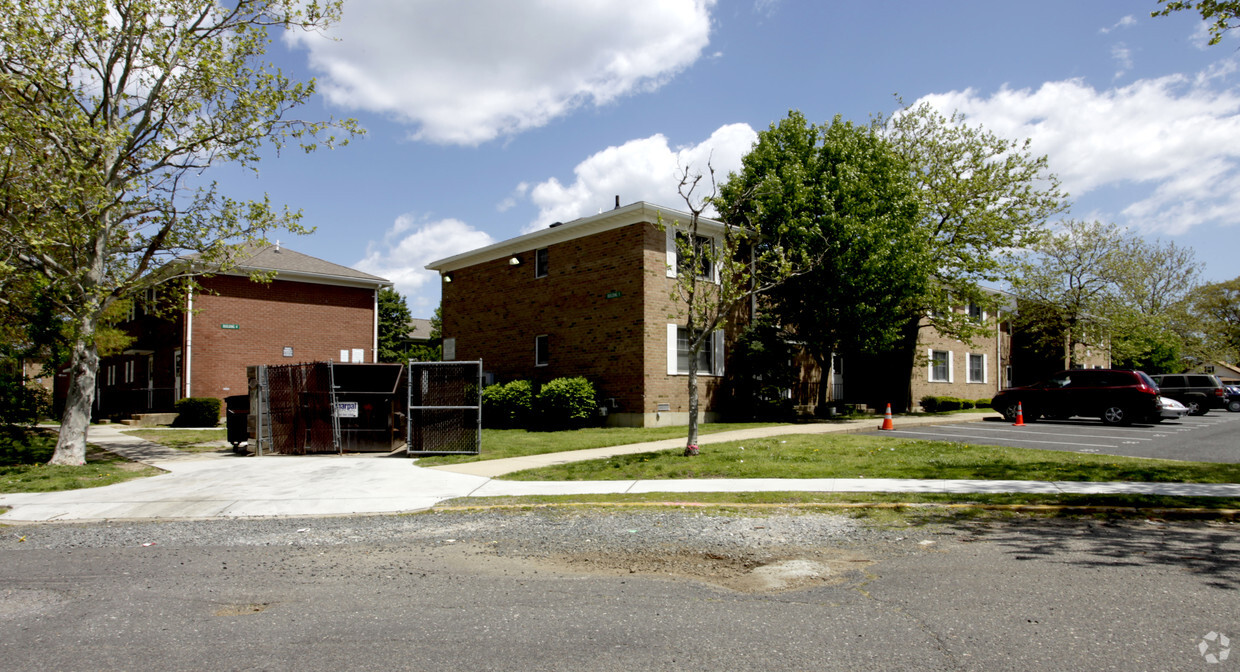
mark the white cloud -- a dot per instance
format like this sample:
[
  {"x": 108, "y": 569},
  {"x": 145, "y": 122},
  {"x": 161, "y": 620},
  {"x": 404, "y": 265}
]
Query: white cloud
[
  {"x": 1176, "y": 138},
  {"x": 469, "y": 72},
  {"x": 409, "y": 246},
  {"x": 647, "y": 169},
  {"x": 1123, "y": 57},
  {"x": 1126, "y": 22}
]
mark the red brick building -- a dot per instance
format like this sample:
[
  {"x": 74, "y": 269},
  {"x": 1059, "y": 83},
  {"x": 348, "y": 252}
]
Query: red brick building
[
  {"x": 313, "y": 310},
  {"x": 587, "y": 298}
]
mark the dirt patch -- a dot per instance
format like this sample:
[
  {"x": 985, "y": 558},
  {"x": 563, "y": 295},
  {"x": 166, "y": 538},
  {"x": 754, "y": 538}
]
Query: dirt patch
[
  {"x": 242, "y": 609},
  {"x": 746, "y": 573}
]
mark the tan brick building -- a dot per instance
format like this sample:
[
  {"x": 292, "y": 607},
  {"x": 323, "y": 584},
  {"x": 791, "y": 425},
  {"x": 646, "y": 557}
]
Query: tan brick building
[
  {"x": 587, "y": 298},
  {"x": 313, "y": 310}
]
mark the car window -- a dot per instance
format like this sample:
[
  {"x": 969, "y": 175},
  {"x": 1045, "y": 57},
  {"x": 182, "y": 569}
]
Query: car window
[
  {"x": 1085, "y": 379},
  {"x": 1172, "y": 381},
  {"x": 1147, "y": 379}
]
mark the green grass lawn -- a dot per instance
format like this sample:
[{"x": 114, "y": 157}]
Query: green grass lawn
[
  {"x": 501, "y": 443},
  {"x": 189, "y": 440},
  {"x": 854, "y": 456},
  {"x": 23, "y": 465}
]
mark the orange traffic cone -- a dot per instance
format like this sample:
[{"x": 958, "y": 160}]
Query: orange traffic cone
[
  {"x": 1020, "y": 416},
  {"x": 887, "y": 423}
]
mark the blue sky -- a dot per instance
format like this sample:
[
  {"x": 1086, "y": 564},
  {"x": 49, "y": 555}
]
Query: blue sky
[{"x": 487, "y": 119}]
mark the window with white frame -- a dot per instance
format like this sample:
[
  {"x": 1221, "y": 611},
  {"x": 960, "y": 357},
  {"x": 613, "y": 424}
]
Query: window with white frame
[
  {"x": 976, "y": 313},
  {"x": 940, "y": 366},
  {"x": 709, "y": 357},
  {"x": 542, "y": 354},
  {"x": 541, "y": 261},
  {"x": 701, "y": 247},
  {"x": 977, "y": 368}
]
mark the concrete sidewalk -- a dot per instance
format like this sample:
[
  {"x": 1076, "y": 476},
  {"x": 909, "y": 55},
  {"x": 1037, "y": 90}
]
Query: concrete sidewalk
[{"x": 221, "y": 485}]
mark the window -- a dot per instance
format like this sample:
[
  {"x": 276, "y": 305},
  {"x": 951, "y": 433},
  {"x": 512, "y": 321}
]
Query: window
[
  {"x": 542, "y": 356},
  {"x": 449, "y": 349},
  {"x": 541, "y": 259},
  {"x": 977, "y": 368},
  {"x": 976, "y": 313},
  {"x": 940, "y": 366},
  {"x": 701, "y": 247},
  {"x": 130, "y": 371},
  {"x": 709, "y": 358}
]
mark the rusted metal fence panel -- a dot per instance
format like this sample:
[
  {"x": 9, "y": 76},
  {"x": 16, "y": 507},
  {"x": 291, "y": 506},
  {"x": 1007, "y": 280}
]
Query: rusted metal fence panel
[
  {"x": 445, "y": 408},
  {"x": 294, "y": 410}
]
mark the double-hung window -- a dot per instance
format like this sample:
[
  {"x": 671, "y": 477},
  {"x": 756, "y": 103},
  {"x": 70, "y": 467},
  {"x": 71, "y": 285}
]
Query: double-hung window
[
  {"x": 541, "y": 262},
  {"x": 542, "y": 352},
  {"x": 977, "y": 368},
  {"x": 940, "y": 366},
  {"x": 709, "y": 357},
  {"x": 687, "y": 252}
]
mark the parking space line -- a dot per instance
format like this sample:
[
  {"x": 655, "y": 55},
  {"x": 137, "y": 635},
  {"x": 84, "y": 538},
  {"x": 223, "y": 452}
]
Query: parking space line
[
  {"x": 1054, "y": 443},
  {"x": 1045, "y": 433}
]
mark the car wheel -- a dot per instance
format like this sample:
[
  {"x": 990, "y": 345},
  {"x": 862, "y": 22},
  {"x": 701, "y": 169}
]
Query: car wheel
[
  {"x": 1234, "y": 405},
  {"x": 1116, "y": 415},
  {"x": 1195, "y": 407}
]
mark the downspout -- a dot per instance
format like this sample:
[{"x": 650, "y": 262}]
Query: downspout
[
  {"x": 374, "y": 348},
  {"x": 189, "y": 341},
  {"x": 998, "y": 350}
]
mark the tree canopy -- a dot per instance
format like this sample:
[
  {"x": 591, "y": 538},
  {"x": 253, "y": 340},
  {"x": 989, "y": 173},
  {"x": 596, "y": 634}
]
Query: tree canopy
[
  {"x": 840, "y": 195},
  {"x": 110, "y": 110},
  {"x": 1221, "y": 15}
]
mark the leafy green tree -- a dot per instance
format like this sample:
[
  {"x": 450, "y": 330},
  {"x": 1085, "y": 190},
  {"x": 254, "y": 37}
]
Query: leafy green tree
[
  {"x": 394, "y": 318},
  {"x": 979, "y": 195},
  {"x": 840, "y": 196},
  {"x": 110, "y": 111},
  {"x": 1222, "y": 15},
  {"x": 1217, "y": 306},
  {"x": 1096, "y": 285}
]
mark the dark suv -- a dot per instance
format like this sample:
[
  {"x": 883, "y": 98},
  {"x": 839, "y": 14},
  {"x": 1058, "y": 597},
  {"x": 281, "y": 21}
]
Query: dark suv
[
  {"x": 1118, "y": 397},
  {"x": 1198, "y": 391}
]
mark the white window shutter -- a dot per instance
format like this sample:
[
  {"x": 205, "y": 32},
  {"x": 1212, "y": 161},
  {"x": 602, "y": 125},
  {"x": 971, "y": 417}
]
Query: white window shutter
[
  {"x": 717, "y": 357},
  {"x": 985, "y": 368},
  {"x": 951, "y": 367},
  {"x": 671, "y": 349},
  {"x": 930, "y": 364},
  {"x": 670, "y": 236}
]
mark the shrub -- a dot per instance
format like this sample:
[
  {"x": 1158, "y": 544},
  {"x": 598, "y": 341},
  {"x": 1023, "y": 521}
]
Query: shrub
[
  {"x": 197, "y": 412},
  {"x": 982, "y": 403},
  {"x": 930, "y": 403},
  {"x": 567, "y": 402},
  {"x": 936, "y": 404},
  {"x": 21, "y": 403},
  {"x": 508, "y": 405}
]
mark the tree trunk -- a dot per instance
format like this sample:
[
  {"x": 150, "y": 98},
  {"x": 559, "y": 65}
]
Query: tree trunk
[
  {"x": 902, "y": 370},
  {"x": 691, "y": 444},
  {"x": 83, "y": 369}
]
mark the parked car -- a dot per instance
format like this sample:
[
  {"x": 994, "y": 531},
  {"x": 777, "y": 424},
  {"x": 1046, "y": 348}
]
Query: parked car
[
  {"x": 1170, "y": 409},
  {"x": 1233, "y": 398},
  {"x": 1200, "y": 392},
  {"x": 1117, "y": 396}
]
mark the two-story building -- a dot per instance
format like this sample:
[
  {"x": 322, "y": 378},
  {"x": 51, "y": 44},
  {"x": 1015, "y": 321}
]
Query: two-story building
[
  {"x": 312, "y": 310},
  {"x": 592, "y": 298}
]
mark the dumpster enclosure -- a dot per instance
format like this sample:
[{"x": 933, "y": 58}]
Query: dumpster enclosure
[{"x": 325, "y": 408}]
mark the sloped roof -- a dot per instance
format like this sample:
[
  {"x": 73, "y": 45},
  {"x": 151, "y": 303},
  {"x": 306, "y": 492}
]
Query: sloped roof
[
  {"x": 633, "y": 213},
  {"x": 292, "y": 265}
]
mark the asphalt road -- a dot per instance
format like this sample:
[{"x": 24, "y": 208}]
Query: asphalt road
[
  {"x": 1214, "y": 437},
  {"x": 1046, "y": 595}
]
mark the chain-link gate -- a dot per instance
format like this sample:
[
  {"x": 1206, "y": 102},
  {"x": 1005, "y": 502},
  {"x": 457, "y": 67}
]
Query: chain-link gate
[
  {"x": 294, "y": 410},
  {"x": 445, "y": 408}
]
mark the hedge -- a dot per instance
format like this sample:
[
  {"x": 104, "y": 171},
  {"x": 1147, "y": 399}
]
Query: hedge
[
  {"x": 566, "y": 403},
  {"x": 197, "y": 412},
  {"x": 507, "y": 406},
  {"x": 936, "y": 404}
]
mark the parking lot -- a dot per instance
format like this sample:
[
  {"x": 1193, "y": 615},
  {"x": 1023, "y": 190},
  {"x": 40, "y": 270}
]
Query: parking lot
[{"x": 1214, "y": 437}]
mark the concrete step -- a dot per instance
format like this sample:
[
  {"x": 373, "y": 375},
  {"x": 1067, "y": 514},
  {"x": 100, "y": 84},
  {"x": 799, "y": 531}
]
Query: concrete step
[{"x": 149, "y": 419}]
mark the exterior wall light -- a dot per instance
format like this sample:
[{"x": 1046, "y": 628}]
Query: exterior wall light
[
  {"x": 447, "y": 277},
  {"x": 514, "y": 261}
]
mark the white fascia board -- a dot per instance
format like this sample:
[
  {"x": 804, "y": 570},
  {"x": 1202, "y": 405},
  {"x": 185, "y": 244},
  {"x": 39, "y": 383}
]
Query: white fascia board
[
  {"x": 633, "y": 213},
  {"x": 312, "y": 278}
]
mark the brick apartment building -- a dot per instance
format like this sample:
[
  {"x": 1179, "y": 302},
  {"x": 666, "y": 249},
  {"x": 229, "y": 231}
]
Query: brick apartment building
[
  {"x": 313, "y": 310},
  {"x": 587, "y": 298}
]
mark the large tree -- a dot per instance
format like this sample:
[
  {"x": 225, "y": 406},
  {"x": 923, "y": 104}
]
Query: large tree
[
  {"x": 1095, "y": 285},
  {"x": 1217, "y": 306},
  {"x": 110, "y": 110},
  {"x": 840, "y": 195},
  {"x": 394, "y": 318},
  {"x": 980, "y": 195}
]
